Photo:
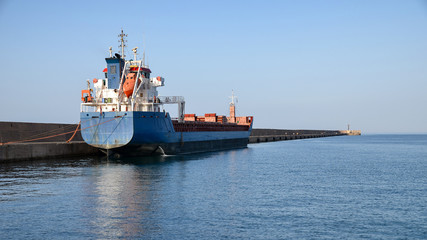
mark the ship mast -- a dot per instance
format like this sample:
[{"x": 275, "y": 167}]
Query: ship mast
[{"x": 123, "y": 43}]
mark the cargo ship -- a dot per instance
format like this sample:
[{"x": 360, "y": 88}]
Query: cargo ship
[{"x": 124, "y": 114}]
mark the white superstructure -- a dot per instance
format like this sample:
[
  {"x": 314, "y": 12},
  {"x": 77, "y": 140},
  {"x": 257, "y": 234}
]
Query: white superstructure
[{"x": 127, "y": 86}]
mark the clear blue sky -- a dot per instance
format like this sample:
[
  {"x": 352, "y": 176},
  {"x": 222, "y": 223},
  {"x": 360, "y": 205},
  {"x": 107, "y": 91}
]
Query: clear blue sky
[{"x": 293, "y": 64}]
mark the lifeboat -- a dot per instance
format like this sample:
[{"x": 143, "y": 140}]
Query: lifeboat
[{"x": 130, "y": 84}]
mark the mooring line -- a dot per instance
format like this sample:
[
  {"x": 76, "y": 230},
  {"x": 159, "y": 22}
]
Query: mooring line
[{"x": 56, "y": 135}]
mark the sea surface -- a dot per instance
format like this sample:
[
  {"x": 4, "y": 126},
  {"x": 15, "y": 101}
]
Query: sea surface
[{"x": 347, "y": 187}]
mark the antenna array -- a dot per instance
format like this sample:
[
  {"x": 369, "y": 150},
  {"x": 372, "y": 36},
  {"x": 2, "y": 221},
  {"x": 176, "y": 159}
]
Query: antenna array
[{"x": 123, "y": 42}]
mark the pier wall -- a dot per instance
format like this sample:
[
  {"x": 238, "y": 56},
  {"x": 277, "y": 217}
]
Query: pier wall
[
  {"x": 43, "y": 150},
  {"x": 271, "y": 135}
]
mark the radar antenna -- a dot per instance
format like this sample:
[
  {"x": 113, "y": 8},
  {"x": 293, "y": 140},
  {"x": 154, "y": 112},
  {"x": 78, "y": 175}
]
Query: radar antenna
[
  {"x": 122, "y": 42},
  {"x": 134, "y": 50}
]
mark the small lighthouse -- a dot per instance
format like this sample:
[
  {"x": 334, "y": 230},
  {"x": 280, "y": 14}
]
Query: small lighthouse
[{"x": 232, "y": 108}]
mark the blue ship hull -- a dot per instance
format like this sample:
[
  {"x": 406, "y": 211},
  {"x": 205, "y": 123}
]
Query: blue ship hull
[{"x": 147, "y": 133}]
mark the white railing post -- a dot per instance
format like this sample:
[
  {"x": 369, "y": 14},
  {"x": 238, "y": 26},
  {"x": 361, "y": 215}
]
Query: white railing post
[
  {"x": 119, "y": 94},
  {"x": 135, "y": 88}
]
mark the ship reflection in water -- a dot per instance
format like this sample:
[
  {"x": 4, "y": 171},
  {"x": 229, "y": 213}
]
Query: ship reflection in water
[{"x": 120, "y": 196}]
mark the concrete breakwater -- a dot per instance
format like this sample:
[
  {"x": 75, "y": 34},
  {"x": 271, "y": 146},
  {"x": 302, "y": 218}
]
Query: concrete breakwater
[
  {"x": 25, "y": 141},
  {"x": 271, "y": 135}
]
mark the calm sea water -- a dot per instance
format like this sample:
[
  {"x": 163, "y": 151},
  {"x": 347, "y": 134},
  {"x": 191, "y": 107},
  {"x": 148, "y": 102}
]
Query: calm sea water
[{"x": 361, "y": 187}]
